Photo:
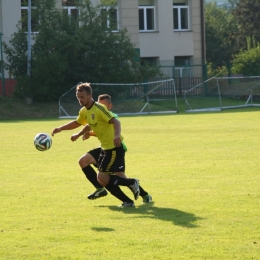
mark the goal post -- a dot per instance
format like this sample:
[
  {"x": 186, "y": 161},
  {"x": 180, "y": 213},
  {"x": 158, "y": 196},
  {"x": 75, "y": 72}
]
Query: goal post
[
  {"x": 219, "y": 93},
  {"x": 154, "y": 97}
]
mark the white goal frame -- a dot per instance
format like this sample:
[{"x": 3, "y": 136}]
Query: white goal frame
[
  {"x": 147, "y": 98},
  {"x": 248, "y": 91}
]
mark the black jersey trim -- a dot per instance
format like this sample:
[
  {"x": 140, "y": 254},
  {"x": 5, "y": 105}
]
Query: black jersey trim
[
  {"x": 91, "y": 105},
  {"x": 104, "y": 110}
]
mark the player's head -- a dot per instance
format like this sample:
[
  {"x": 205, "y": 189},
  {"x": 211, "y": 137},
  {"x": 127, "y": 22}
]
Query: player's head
[
  {"x": 84, "y": 94},
  {"x": 84, "y": 87},
  {"x": 105, "y": 99}
]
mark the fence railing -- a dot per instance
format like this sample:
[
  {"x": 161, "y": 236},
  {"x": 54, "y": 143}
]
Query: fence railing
[
  {"x": 220, "y": 93},
  {"x": 181, "y": 85}
]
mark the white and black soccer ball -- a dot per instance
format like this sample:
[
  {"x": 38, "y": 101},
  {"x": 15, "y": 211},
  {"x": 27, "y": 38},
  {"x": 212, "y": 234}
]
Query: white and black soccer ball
[{"x": 42, "y": 142}]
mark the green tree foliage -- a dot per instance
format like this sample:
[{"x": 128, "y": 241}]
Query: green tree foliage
[
  {"x": 220, "y": 27},
  {"x": 68, "y": 50},
  {"x": 247, "y": 16},
  {"x": 108, "y": 2},
  {"x": 247, "y": 62},
  {"x": 17, "y": 53}
]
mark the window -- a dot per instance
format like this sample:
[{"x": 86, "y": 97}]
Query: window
[
  {"x": 110, "y": 14},
  {"x": 146, "y": 15},
  {"x": 180, "y": 15},
  {"x": 182, "y": 66},
  {"x": 70, "y": 8},
  {"x": 24, "y": 15},
  {"x": 110, "y": 18}
]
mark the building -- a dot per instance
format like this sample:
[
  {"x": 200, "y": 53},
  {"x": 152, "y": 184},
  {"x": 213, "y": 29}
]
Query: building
[{"x": 169, "y": 33}]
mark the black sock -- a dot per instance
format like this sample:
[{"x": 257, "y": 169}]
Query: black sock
[
  {"x": 116, "y": 180},
  {"x": 142, "y": 192},
  {"x": 118, "y": 193},
  {"x": 91, "y": 175}
]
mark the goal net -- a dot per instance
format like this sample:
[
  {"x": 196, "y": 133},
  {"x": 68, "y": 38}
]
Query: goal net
[
  {"x": 128, "y": 99},
  {"x": 220, "y": 93}
]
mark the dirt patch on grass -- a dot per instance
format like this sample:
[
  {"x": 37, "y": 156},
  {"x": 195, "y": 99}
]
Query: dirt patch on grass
[{"x": 12, "y": 108}]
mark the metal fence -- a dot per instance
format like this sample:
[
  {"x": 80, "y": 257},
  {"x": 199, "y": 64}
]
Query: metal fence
[
  {"x": 186, "y": 77},
  {"x": 220, "y": 93}
]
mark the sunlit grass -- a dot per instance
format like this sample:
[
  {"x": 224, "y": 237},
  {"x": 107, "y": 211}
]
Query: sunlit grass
[{"x": 201, "y": 169}]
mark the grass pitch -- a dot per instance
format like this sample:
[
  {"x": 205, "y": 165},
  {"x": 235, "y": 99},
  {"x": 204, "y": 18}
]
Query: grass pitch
[{"x": 201, "y": 169}]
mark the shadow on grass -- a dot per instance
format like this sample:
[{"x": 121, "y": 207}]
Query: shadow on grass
[
  {"x": 102, "y": 229},
  {"x": 177, "y": 217}
]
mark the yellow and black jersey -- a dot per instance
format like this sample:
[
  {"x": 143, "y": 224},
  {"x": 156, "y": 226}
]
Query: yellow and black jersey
[{"x": 98, "y": 117}]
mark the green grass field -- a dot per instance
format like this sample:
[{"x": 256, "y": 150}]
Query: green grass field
[{"x": 201, "y": 169}]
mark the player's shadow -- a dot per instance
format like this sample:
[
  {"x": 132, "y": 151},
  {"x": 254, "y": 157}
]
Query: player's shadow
[
  {"x": 102, "y": 229},
  {"x": 177, "y": 217}
]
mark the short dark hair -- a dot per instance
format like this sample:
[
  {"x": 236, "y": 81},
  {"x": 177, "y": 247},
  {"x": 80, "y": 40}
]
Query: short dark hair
[
  {"x": 104, "y": 96},
  {"x": 84, "y": 87}
]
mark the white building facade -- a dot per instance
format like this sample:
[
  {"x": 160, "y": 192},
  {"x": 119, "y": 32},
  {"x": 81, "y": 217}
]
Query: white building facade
[{"x": 165, "y": 32}]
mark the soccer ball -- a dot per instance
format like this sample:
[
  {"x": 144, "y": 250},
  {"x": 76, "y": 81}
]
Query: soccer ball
[{"x": 42, "y": 142}]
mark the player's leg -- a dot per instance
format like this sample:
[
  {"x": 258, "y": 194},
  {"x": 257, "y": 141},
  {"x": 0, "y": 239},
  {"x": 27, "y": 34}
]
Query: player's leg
[
  {"x": 111, "y": 161},
  {"x": 144, "y": 194},
  {"x": 118, "y": 193},
  {"x": 85, "y": 163},
  {"x": 91, "y": 158},
  {"x": 121, "y": 174},
  {"x": 114, "y": 189}
]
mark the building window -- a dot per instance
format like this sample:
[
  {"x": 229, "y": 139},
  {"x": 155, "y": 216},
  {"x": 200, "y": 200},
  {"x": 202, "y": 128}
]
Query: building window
[
  {"x": 180, "y": 15},
  {"x": 182, "y": 66},
  {"x": 109, "y": 14},
  {"x": 69, "y": 7},
  {"x": 110, "y": 17},
  {"x": 146, "y": 15},
  {"x": 24, "y": 16}
]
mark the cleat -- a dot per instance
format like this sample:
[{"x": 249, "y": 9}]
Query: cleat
[
  {"x": 147, "y": 198},
  {"x": 127, "y": 204},
  {"x": 135, "y": 188},
  {"x": 97, "y": 194}
]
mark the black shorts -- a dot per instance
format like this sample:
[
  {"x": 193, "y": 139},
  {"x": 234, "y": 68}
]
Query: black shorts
[
  {"x": 109, "y": 161},
  {"x": 95, "y": 153}
]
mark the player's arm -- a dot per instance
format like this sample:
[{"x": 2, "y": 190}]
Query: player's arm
[
  {"x": 69, "y": 126},
  {"x": 86, "y": 129},
  {"x": 117, "y": 131},
  {"x": 86, "y": 135}
]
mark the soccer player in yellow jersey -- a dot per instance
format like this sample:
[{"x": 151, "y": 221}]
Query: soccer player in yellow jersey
[
  {"x": 108, "y": 130},
  {"x": 105, "y": 99}
]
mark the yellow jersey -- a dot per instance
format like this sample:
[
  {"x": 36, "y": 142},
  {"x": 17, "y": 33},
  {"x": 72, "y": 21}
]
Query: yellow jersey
[{"x": 98, "y": 117}]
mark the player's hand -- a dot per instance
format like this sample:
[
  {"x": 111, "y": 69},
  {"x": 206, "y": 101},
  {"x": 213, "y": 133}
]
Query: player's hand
[
  {"x": 117, "y": 141},
  {"x": 55, "y": 131},
  {"x": 86, "y": 136},
  {"x": 74, "y": 137}
]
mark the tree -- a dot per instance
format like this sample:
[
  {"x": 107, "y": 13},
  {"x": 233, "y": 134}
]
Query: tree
[
  {"x": 68, "y": 50},
  {"x": 220, "y": 27},
  {"x": 246, "y": 14},
  {"x": 247, "y": 62}
]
